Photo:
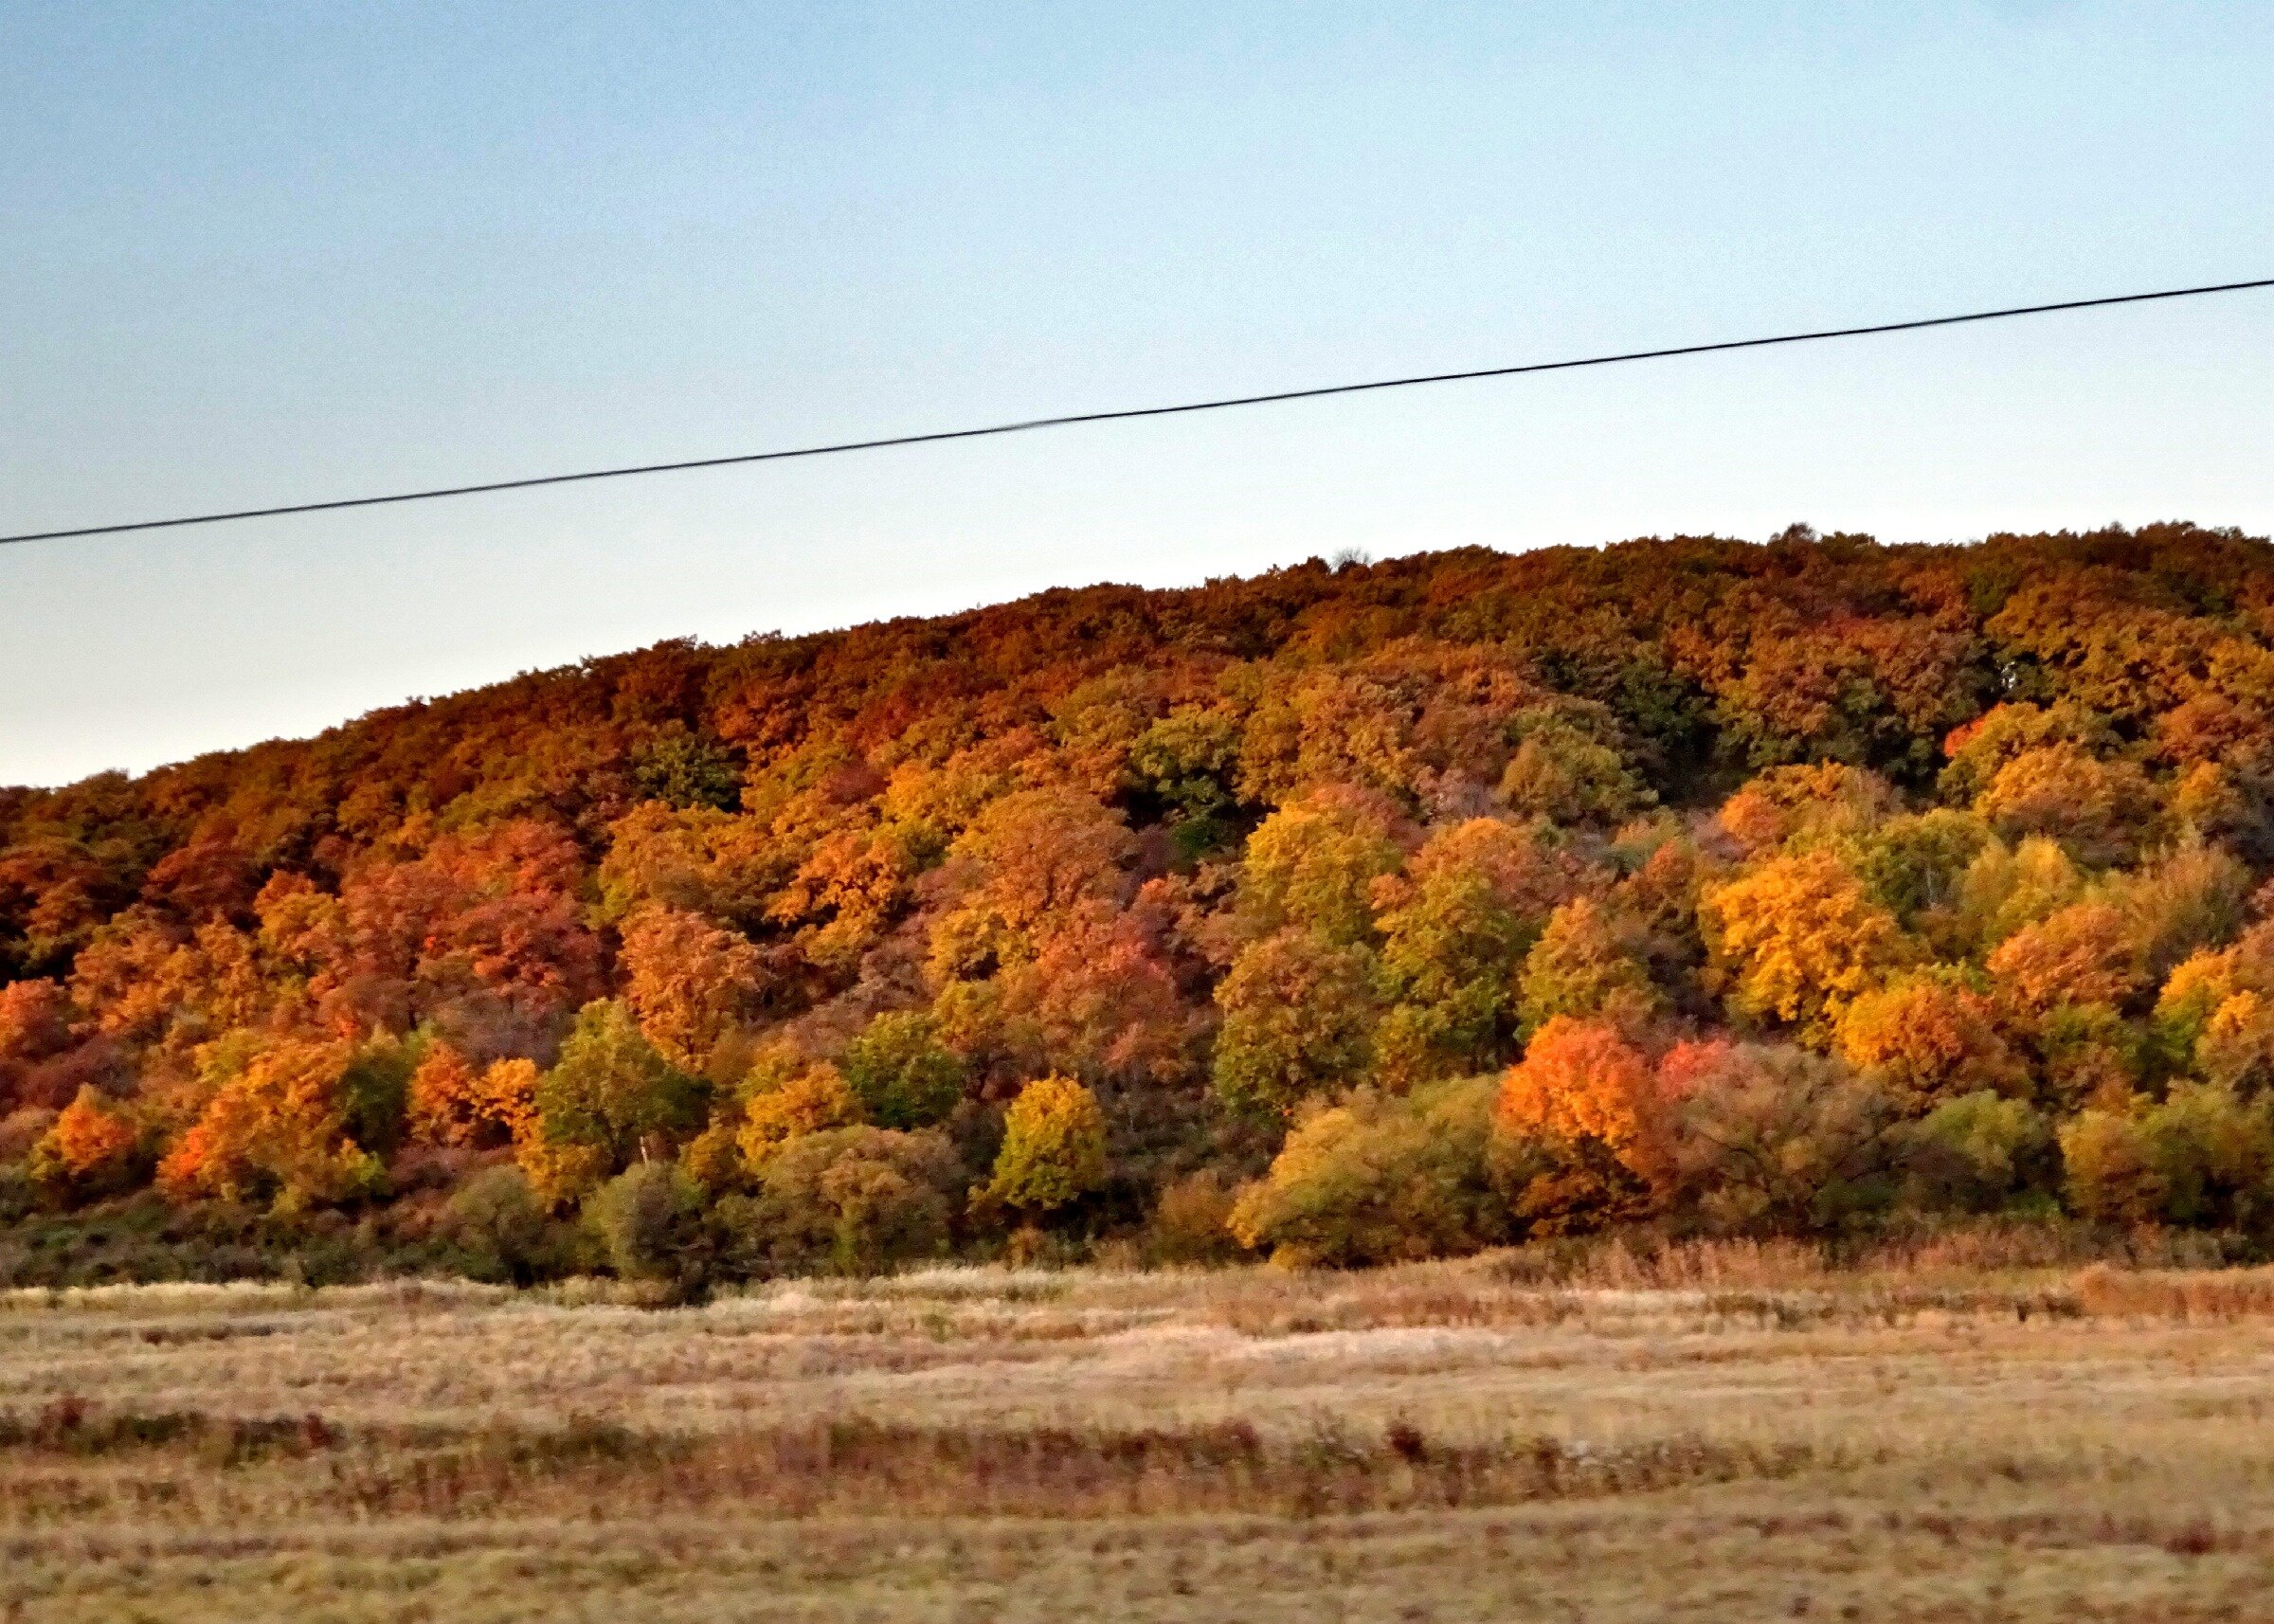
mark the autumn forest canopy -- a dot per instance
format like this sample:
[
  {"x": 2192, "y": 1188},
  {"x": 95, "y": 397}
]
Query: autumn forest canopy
[{"x": 1346, "y": 913}]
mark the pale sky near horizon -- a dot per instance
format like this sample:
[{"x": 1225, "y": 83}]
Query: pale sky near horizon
[{"x": 253, "y": 255}]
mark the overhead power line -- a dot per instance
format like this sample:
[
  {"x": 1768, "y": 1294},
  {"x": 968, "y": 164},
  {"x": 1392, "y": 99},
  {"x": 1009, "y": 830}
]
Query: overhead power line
[{"x": 1126, "y": 414}]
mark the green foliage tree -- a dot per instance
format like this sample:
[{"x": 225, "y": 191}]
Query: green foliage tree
[
  {"x": 1979, "y": 1152},
  {"x": 682, "y": 771},
  {"x": 1455, "y": 931},
  {"x": 374, "y": 1090},
  {"x": 1566, "y": 771},
  {"x": 901, "y": 1072},
  {"x": 1298, "y": 1018},
  {"x": 2006, "y": 889},
  {"x": 2202, "y": 1156},
  {"x": 1186, "y": 760},
  {"x": 1916, "y": 865},
  {"x": 613, "y": 1090}
]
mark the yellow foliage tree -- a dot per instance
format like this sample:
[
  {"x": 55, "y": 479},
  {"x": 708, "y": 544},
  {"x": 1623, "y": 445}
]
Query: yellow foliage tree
[
  {"x": 2099, "y": 809},
  {"x": 787, "y": 1102},
  {"x": 2006, "y": 889},
  {"x": 1797, "y": 939},
  {"x": 558, "y": 1171},
  {"x": 2217, "y": 1007},
  {"x": 1379, "y": 1180},
  {"x": 1030, "y": 865},
  {"x": 509, "y": 1096},
  {"x": 1587, "y": 962},
  {"x": 1298, "y": 1015},
  {"x": 1054, "y": 1146},
  {"x": 1313, "y": 864}
]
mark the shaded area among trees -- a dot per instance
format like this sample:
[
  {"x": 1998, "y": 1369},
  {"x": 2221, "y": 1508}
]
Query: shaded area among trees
[{"x": 1347, "y": 913}]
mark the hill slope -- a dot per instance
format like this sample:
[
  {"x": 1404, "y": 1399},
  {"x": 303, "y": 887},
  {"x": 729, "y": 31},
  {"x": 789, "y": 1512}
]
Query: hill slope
[{"x": 1923, "y": 872}]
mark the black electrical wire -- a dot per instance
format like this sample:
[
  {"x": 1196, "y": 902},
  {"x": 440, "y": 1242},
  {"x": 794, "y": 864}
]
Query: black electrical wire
[{"x": 1129, "y": 413}]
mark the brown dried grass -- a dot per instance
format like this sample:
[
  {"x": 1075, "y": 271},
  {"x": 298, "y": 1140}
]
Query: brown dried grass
[
  {"x": 2210, "y": 1295},
  {"x": 1961, "y": 1428}
]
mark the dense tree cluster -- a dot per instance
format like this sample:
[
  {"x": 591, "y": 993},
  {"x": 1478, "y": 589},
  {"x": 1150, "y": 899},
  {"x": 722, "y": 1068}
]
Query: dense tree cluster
[{"x": 1345, "y": 913}]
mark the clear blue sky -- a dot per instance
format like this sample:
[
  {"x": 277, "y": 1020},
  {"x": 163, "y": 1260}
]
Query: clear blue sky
[{"x": 279, "y": 252}]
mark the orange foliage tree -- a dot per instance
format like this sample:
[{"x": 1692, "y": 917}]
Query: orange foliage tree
[
  {"x": 35, "y": 1029},
  {"x": 1927, "y": 1038},
  {"x": 452, "y": 1102},
  {"x": 1590, "y": 1100},
  {"x": 2082, "y": 955},
  {"x": 277, "y": 1128},
  {"x": 689, "y": 981},
  {"x": 92, "y": 1144},
  {"x": 1583, "y": 1080},
  {"x": 784, "y": 1101}
]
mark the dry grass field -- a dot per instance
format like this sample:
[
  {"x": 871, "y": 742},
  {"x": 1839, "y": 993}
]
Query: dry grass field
[{"x": 1722, "y": 1433}]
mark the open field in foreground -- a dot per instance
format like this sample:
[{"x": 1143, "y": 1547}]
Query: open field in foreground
[{"x": 1726, "y": 1433}]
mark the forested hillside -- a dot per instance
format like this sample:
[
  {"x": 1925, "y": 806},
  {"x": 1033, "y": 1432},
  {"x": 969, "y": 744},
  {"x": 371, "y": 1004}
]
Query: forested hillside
[{"x": 1347, "y": 913}]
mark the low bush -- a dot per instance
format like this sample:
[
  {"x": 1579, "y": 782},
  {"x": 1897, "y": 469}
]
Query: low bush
[
  {"x": 502, "y": 1219},
  {"x": 649, "y": 1220},
  {"x": 1980, "y": 1153},
  {"x": 1770, "y": 1139},
  {"x": 1191, "y": 1221},
  {"x": 1381, "y": 1180},
  {"x": 850, "y": 1201},
  {"x": 2203, "y": 1156}
]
